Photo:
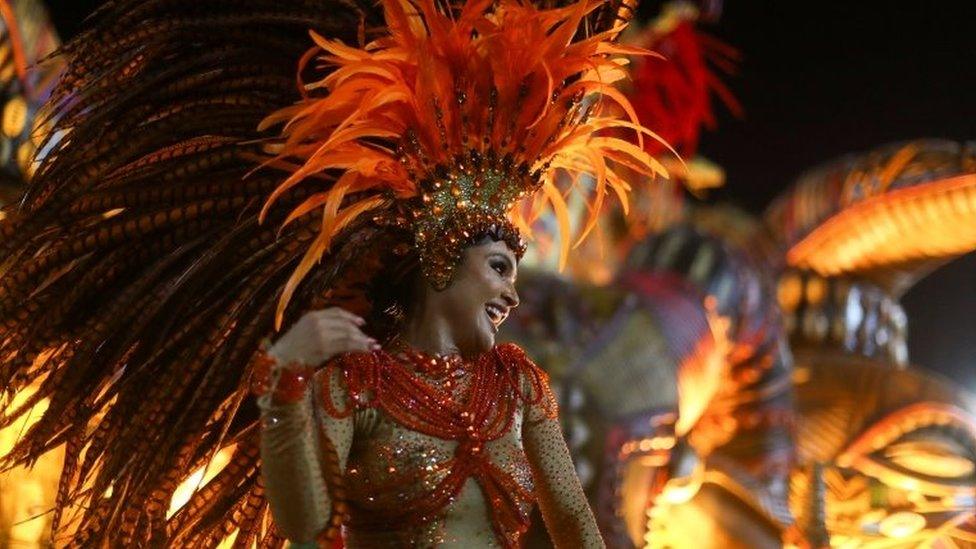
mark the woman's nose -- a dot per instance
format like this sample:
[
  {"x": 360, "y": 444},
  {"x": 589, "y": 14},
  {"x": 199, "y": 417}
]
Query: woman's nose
[{"x": 510, "y": 295}]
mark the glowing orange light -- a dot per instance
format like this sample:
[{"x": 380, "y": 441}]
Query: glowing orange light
[
  {"x": 681, "y": 490},
  {"x": 789, "y": 291},
  {"x": 26, "y": 493},
  {"x": 199, "y": 478},
  {"x": 902, "y": 525},
  {"x": 934, "y": 220}
]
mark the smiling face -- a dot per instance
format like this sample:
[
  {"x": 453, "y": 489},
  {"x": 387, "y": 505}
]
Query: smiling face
[{"x": 480, "y": 296}]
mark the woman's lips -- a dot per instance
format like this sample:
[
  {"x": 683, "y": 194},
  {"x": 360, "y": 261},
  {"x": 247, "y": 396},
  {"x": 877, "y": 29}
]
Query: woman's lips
[{"x": 496, "y": 314}]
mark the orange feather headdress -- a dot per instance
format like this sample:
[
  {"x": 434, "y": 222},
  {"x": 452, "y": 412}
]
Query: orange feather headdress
[{"x": 458, "y": 120}]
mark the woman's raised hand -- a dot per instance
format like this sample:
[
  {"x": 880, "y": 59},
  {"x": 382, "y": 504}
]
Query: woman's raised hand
[{"x": 321, "y": 335}]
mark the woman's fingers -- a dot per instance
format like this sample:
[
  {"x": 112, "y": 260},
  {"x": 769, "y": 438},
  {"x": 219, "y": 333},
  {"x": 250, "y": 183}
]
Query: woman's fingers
[
  {"x": 365, "y": 344},
  {"x": 339, "y": 312},
  {"x": 356, "y": 341},
  {"x": 339, "y": 325},
  {"x": 340, "y": 334},
  {"x": 361, "y": 341}
]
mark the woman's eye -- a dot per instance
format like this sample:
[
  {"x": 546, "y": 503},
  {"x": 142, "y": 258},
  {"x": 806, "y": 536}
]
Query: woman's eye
[{"x": 499, "y": 267}]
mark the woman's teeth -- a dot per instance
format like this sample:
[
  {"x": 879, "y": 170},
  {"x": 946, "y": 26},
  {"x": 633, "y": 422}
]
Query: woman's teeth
[{"x": 495, "y": 313}]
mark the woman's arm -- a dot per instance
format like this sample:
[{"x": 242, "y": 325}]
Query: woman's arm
[
  {"x": 304, "y": 449},
  {"x": 567, "y": 514},
  {"x": 294, "y": 440}
]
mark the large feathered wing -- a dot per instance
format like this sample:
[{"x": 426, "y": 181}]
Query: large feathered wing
[{"x": 137, "y": 282}]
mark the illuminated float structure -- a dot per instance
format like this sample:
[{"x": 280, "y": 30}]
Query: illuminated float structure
[
  {"x": 747, "y": 384},
  {"x": 886, "y": 452}
]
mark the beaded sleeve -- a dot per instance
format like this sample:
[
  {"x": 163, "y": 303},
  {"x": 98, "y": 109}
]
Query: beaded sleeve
[
  {"x": 302, "y": 458},
  {"x": 560, "y": 495}
]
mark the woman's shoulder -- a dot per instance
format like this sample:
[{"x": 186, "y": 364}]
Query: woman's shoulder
[
  {"x": 514, "y": 356},
  {"x": 533, "y": 382},
  {"x": 511, "y": 350},
  {"x": 348, "y": 382}
]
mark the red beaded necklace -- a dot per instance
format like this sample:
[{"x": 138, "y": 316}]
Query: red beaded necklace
[{"x": 433, "y": 366}]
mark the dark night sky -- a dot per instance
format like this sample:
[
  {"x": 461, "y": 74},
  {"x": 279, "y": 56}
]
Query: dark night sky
[{"x": 821, "y": 79}]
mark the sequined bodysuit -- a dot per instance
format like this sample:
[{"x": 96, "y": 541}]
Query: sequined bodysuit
[
  {"x": 436, "y": 458},
  {"x": 394, "y": 468}
]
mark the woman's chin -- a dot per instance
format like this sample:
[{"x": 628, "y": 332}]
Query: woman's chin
[{"x": 481, "y": 343}]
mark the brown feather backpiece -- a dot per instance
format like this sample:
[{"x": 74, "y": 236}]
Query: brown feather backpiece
[{"x": 136, "y": 282}]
